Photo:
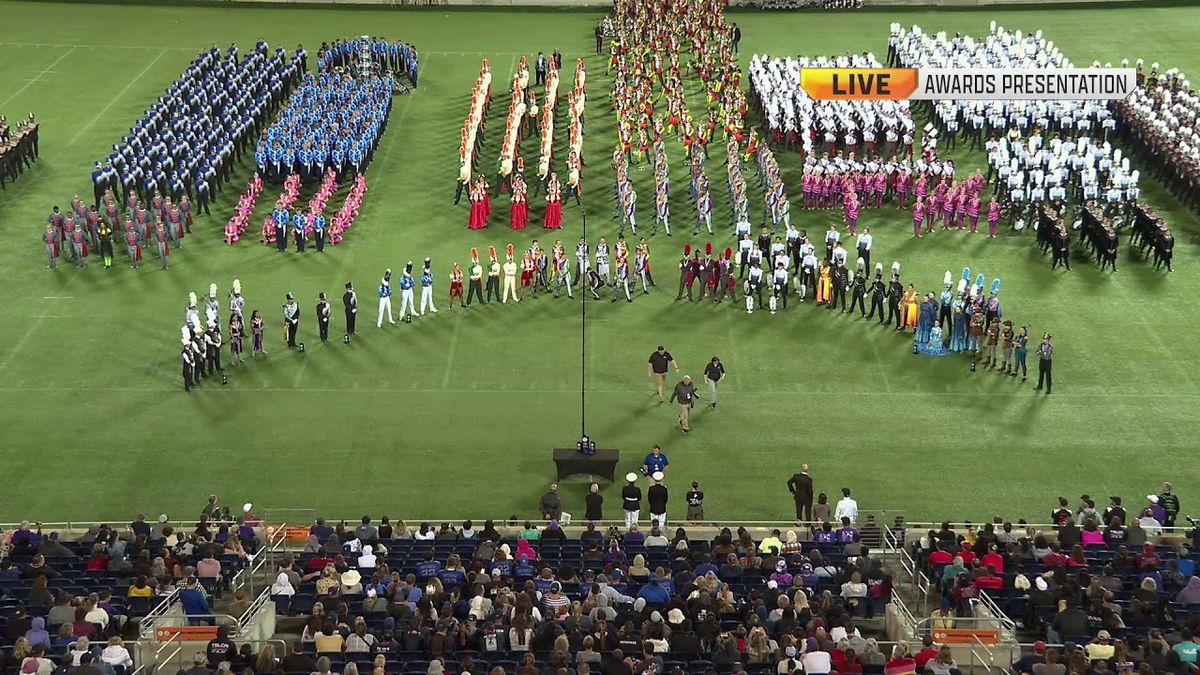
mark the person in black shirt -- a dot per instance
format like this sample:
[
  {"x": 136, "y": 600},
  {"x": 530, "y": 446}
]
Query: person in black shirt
[
  {"x": 656, "y": 498},
  {"x": 594, "y": 504},
  {"x": 220, "y": 648},
  {"x": 1114, "y": 510},
  {"x": 1114, "y": 534},
  {"x": 631, "y": 500},
  {"x": 695, "y": 503},
  {"x": 297, "y": 661},
  {"x": 657, "y": 366},
  {"x": 714, "y": 372},
  {"x": 350, "y": 303}
]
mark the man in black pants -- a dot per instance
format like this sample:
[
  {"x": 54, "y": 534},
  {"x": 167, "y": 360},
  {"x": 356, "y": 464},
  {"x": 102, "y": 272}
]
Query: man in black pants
[
  {"x": 859, "y": 297},
  {"x": 841, "y": 277},
  {"x": 350, "y": 303},
  {"x": 878, "y": 293},
  {"x": 323, "y": 317},
  {"x": 895, "y": 291},
  {"x": 1045, "y": 352},
  {"x": 801, "y": 487}
]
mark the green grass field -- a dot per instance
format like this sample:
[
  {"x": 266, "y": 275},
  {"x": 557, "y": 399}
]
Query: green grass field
[{"x": 455, "y": 415}]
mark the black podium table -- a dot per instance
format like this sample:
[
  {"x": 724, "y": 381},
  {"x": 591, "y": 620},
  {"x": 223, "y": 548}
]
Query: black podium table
[{"x": 570, "y": 461}]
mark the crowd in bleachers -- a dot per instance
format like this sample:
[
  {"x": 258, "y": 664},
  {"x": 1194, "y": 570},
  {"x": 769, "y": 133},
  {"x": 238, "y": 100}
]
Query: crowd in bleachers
[
  {"x": 72, "y": 602},
  {"x": 1102, "y": 582},
  {"x": 384, "y": 598}
]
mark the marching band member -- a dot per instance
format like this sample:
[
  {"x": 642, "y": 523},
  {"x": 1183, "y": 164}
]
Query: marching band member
[
  {"x": 510, "y": 278},
  {"x": 427, "y": 288},
  {"x": 385, "y": 299},
  {"x": 456, "y": 285}
]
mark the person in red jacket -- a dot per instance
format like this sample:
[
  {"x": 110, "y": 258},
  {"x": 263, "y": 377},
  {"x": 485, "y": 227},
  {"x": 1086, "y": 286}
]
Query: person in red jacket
[
  {"x": 993, "y": 560},
  {"x": 928, "y": 652}
]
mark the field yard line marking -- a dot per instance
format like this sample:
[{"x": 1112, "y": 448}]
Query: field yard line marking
[
  {"x": 58, "y": 297},
  {"x": 300, "y": 374},
  {"x": 736, "y": 376},
  {"x": 4, "y": 104},
  {"x": 450, "y": 353},
  {"x": 887, "y": 386},
  {"x": 754, "y": 393},
  {"x": 116, "y": 98},
  {"x": 76, "y": 46},
  {"x": 31, "y": 330}
]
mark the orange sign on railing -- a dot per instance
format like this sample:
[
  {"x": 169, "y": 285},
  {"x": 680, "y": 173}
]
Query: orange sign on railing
[
  {"x": 962, "y": 636},
  {"x": 187, "y": 633}
]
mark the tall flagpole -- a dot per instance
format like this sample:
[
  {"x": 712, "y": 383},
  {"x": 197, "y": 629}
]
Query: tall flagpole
[{"x": 583, "y": 346}]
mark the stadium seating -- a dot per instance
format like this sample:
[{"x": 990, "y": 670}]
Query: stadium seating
[
  {"x": 81, "y": 571},
  {"x": 752, "y": 609}
]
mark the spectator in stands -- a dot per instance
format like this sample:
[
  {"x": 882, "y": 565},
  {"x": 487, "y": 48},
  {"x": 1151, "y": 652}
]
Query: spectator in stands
[
  {"x": 39, "y": 594},
  {"x": 208, "y": 567},
  {"x": 51, "y": 548},
  {"x": 553, "y": 532},
  {"x": 37, "y": 567},
  {"x": 1100, "y": 648},
  {"x": 952, "y": 572},
  {"x": 1190, "y": 595},
  {"x": 900, "y": 663},
  {"x": 446, "y": 533},
  {"x": 928, "y": 653},
  {"x": 943, "y": 664},
  {"x": 816, "y": 660},
  {"x": 320, "y": 530},
  {"x": 425, "y": 533},
  {"x": 467, "y": 531},
  {"x": 194, "y": 602},
  {"x": 32, "y": 660},
  {"x": 141, "y": 589},
  {"x": 328, "y": 640},
  {"x": 1134, "y": 534},
  {"x": 297, "y": 661},
  {"x": 529, "y": 533},
  {"x": 220, "y": 648},
  {"x": 81, "y": 647},
  {"x": 62, "y": 612},
  {"x": 322, "y": 667},
  {"x": 37, "y": 635},
  {"x": 1069, "y": 622},
  {"x": 1186, "y": 648}
]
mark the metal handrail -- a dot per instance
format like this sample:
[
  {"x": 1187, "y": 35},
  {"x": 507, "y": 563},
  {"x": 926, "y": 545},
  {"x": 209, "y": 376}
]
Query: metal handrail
[
  {"x": 1007, "y": 625},
  {"x": 275, "y": 538},
  {"x": 147, "y": 622},
  {"x": 165, "y": 645},
  {"x": 903, "y": 611},
  {"x": 262, "y": 599},
  {"x": 976, "y": 643}
]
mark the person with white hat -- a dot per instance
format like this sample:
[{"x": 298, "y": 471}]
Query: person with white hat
[
  {"x": 385, "y": 299},
  {"x": 291, "y": 320},
  {"x": 656, "y": 498},
  {"x": 631, "y": 499},
  {"x": 407, "y": 307}
]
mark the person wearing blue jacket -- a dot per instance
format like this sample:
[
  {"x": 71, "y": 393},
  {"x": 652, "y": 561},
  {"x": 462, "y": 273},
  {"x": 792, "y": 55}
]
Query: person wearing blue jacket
[{"x": 195, "y": 603}]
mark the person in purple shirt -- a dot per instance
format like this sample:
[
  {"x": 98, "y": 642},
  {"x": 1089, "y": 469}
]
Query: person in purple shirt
[
  {"x": 825, "y": 535},
  {"x": 846, "y": 533},
  {"x": 706, "y": 565}
]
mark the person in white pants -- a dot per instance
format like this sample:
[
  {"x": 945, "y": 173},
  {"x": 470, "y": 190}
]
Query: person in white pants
[
  {"x": 385, "y": 299},
  {"x": 427, "y": 288},
  {"x": 407, "y": 306},
  {"x": 631, "y": 500}
]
